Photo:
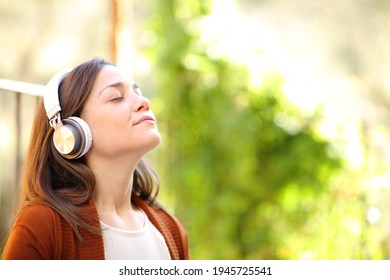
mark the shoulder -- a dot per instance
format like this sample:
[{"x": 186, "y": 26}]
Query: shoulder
[
  {"x": 177, "y": 231},
  {"x": 38, "y": 209},
  {"x": 36, "y": 234},
  {"x": 156, "y": 211},
  {"x": 170, "y": 227},
  {"x": 160, "y": 212},
  {"x": 37, "y": 216},
  {"x": 38, "y": 220}
]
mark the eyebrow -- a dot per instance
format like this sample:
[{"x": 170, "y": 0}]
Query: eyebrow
[{"x": 114, "y": 85}]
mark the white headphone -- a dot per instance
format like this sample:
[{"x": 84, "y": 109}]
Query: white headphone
[{"x": 72, "y": 136}]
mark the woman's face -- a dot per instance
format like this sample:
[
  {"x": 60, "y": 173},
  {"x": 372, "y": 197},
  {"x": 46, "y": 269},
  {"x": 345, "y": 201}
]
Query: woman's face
[{"x": 119, "y": 116}]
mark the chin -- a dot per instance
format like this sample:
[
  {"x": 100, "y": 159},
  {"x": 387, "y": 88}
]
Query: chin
[{"x": 154, "y": 141}]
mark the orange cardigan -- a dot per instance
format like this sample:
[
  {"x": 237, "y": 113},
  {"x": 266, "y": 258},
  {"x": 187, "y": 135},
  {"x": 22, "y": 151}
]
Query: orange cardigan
[{"x": 40, "y": 233}]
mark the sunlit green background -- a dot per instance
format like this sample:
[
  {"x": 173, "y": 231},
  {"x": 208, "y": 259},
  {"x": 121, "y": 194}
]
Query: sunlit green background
[{"x": 274, "y": 114}]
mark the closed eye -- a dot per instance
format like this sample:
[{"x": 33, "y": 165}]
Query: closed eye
[{"x": 117, "y": 98}]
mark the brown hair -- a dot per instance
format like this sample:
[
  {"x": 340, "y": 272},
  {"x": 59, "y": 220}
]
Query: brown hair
[{"x": 63, "y": 184}]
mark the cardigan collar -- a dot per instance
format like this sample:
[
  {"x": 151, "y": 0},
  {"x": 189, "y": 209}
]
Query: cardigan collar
[{"x": 96, "y": 242}]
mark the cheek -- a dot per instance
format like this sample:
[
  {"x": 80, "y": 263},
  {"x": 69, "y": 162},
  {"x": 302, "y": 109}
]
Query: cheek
[
  {"x": 103, "y": 127},
  {"x": 107, "y": 129},
  {"x": 110, "y": 128},
  {"x": 97, "y": 124}
]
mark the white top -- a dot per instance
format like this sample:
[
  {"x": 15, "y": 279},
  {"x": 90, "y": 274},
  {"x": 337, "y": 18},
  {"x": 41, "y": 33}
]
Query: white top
[{"x": 144, "y": 244}]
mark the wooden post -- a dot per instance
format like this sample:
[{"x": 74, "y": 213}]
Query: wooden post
[
  {"x": 122, "y": 47},
  {"x": 115, "y": 20}
]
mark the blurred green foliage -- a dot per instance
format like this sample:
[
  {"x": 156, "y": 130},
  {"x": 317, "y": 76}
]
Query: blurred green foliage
[{"x": 248, "y": 174}]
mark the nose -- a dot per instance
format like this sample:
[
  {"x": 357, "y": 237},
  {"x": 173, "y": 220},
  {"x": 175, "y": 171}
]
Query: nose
[{"x": 141, "y": 104}]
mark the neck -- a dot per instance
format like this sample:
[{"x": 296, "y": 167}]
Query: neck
[
  {"x": 113, "y": 188},
  {"x": 113, "y": 182}
]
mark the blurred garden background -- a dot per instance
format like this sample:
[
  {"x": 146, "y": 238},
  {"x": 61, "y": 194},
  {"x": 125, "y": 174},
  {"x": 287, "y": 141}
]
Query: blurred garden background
[{"x": 275, "y": 115}]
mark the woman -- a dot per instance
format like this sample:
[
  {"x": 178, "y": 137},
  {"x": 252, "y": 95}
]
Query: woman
[{"x": 86, "y": 192}]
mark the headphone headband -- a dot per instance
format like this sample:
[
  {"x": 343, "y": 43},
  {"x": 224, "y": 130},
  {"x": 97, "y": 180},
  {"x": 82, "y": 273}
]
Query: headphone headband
[{"x": 51, "y": 96}]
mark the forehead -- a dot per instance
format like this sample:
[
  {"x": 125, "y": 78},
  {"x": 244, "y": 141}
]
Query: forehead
[{"x": 109, "y": 74}]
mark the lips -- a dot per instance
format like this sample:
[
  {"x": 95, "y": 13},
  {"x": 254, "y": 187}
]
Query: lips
[{"x": 145, "y": 119}]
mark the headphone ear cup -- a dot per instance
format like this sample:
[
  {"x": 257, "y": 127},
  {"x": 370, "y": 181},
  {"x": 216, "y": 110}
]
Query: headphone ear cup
[{"x": 73, "y": 139}]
